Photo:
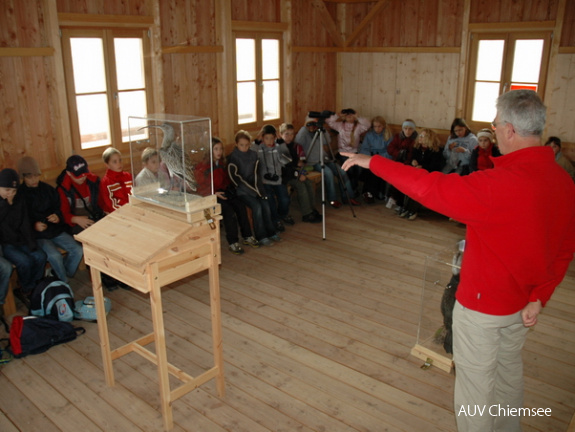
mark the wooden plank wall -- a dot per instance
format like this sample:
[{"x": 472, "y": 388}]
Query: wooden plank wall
[
  {"x": 409, "y": 23},
  {"x": 25, "y": 121},
  {"x": 422, "y": 85},
  {"x": 393, "y": 83}
]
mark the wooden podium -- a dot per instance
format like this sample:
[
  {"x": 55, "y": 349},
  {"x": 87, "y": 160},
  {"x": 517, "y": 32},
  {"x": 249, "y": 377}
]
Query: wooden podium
[{"x": 147, "y": 247}]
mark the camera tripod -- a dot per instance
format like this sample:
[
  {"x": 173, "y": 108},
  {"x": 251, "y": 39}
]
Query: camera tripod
[{"x": 319, "y": 134}]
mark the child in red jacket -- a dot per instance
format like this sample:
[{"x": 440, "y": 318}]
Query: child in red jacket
[{"x": 116, "y": 185}]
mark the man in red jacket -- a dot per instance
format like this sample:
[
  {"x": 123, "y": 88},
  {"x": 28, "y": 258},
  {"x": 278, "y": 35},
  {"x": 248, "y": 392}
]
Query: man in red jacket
[{"x": 517, "y": 252}]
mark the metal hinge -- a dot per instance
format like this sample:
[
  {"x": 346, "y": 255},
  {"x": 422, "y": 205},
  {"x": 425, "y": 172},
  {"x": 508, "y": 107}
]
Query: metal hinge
[
  {"x": 209, "y": 218},
  {"x": 427, "y": 364}
]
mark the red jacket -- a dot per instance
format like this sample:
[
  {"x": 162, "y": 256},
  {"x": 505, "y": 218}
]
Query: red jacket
[
  {"x": 520, "y": 219},
  {"x": 115, "y": 189}
]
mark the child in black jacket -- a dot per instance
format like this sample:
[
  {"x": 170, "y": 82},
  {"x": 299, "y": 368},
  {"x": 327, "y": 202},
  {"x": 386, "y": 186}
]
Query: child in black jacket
[{"x": 16, "y": 235}]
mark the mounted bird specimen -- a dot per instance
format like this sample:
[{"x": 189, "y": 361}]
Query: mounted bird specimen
[{"x": 176, "y": 159}]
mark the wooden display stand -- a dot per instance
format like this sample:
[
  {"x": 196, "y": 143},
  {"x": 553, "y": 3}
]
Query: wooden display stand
[{"x": 147, "y": 247}]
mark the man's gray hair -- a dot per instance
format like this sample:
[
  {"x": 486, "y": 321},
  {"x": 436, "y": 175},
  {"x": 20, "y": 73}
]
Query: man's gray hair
[{"x": 524, "y": 110}]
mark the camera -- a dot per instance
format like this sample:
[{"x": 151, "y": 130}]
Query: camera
[
  {"x": 271, "y": 177},
  {"x": 320, "y": 115}
]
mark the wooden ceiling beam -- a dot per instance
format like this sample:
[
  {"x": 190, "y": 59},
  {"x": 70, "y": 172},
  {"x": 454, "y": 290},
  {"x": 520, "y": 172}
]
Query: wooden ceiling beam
[
  {"x": 328, "y": 22},
  {"x": 364, "y": 23}
]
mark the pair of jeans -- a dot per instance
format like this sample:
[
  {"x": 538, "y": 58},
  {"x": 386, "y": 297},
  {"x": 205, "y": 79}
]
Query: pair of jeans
[
  {"x": 261, "y": 215},
  {"x": 279, "y": 201},
  {"x": 63, "y": 266},
  {"x": 234, "y": 213},
  {"x": 29, "y": 264},
  {"x": 305, "y": 195},
  {"x": 330, "y": 171},
  {"x": 5, "y": 273}
]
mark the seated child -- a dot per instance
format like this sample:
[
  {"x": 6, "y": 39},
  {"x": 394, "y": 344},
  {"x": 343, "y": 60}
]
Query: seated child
[
  {"x": 233, "y": 209},
  {"x": 272, "y": 156},
  {"x": 44, "y": 212},
  {"x": 5, "y": 274},
  {"x": 16, "y": 235},
  {"x": 243, "y": 171},
  {"x": 79, "y": 191},
  {"x": 295, "y": 175},
  {"x": 486, "y": 149},
  {"x": 116, "y": 185},
  {"x": 151, "y": 172},
  {"x": 375, "y": 142}
]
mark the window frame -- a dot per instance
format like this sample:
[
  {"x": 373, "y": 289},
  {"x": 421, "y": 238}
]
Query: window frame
[
  {"x": 510, "y": 36},
  {"x": 258, "y": 36},
  {"x": 107, "y": 34}
]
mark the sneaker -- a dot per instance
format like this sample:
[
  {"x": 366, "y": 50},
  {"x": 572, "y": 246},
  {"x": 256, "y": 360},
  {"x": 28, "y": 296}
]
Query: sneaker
[
  {"x": 311, "y": 218},
  {"x": 404, "y": 213},
  {"x": 399, "y": 210},
  {"x": 289, "y": 220},
  {"x": 280, "y": 226},
  {"x": 335, "y": 204},
  {"x": 236, "y": 249},
  {"x": 412, "y": 216},
  {"x": 266, "y": 242},
  {"x": 368, "y": 198},
  {"x": 251, "y": 241},
  {"x": 276, "y": 237}
]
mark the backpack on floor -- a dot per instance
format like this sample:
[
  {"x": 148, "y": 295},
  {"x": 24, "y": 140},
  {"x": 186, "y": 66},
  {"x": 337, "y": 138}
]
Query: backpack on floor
[
  {"x": 52, "y": 299},
  {"x": 35, "y": 335}
]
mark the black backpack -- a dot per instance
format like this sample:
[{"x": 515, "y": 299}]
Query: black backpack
[
  {"x": 53, "y": 299},
  {"x": 34, "y": 335}
]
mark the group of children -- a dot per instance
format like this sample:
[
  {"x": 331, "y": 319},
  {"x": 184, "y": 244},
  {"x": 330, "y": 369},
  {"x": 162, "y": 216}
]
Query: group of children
[{"x": 38, "y": 221}]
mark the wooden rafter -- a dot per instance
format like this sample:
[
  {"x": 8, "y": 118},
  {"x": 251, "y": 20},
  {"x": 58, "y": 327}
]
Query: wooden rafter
[
  {"x": 332, "y": 27},
  {"x": 328, "y": 22},
  {"x": 368, "y": 18}
]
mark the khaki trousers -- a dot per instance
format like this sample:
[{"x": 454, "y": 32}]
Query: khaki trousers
[{"x": 489, "y": 370}]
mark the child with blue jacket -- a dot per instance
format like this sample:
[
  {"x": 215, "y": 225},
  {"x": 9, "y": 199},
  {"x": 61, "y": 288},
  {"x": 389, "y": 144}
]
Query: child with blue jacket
[{"x": 375, "y": 142}]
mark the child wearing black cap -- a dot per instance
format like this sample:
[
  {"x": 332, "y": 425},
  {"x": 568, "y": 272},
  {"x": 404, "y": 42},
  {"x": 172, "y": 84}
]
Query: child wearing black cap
[
  {"x": 79, "y": 193},
  {"x": 16, "y": 235},
  {"x": 45, "y": 215}
]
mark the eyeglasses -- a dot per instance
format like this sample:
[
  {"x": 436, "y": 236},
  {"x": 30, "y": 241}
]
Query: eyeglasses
[{"x": 494, "y": 124}]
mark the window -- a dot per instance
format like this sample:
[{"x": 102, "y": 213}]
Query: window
[
  {"x": 106, "y": 83},
  {"x": 258, "y": 89},
  {"x": 501, "y": 62}
]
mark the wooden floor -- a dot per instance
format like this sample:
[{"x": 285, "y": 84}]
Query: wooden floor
[{"x": 317, "y": 337}]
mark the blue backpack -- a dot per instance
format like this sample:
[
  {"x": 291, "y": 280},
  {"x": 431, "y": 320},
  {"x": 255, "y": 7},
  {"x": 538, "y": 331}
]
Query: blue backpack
[{"x": 52, "y": 299}]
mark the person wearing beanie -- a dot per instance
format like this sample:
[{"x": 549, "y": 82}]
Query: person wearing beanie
[
  {"x": 401, "y": 150},
  {"x": 116, "y": 185},
  {"x": 16, "y": 234},
  {"x": 485, "y": 150},
  {"x": 45, "y": 215},
  {"x": 79, "y": 191}
]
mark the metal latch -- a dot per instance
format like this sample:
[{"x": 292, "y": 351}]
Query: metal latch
[
  {"x": 427, "y": 364},
  {"x": 209, "y": 218}
]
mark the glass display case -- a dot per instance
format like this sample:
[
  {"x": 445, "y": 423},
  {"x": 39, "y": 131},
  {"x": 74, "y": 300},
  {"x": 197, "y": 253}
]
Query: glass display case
[
  {"x": 171, "y": 159},
  {"x": 440, "y": 281}
]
